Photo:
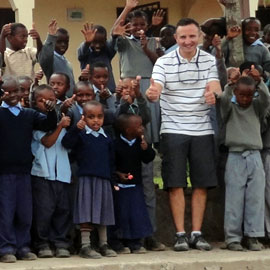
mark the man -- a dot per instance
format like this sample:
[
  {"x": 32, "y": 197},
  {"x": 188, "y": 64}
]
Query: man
[{"x": 186, "y": 81}]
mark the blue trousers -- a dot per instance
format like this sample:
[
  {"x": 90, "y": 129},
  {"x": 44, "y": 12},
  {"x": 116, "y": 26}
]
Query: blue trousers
[{"x": 15, "y": 213}]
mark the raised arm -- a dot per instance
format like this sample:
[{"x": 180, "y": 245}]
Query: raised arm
[{"x": 33, "y": 33}]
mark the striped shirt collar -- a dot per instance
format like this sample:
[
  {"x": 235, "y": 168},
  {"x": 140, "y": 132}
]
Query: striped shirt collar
[{"x": 181, "y": 59}]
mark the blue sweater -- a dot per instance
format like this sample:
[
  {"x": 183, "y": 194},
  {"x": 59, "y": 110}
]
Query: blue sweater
[
  {"x": 95, "y": 155},
  {"x": 16, "y": 138}
]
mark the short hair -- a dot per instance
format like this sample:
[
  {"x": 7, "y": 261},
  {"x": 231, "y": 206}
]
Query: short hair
[
  {"x": 82, "y": 83},
  {"x": 92, "y": 103},
  {"x": 187, "y": 21},
  {"x": 169, "y": 26},
  {"x": 247, "y": 20},
  {"x": 137, "y": 14},
  {"x": 266, "y": 29},
  {"x": 37, "y": 91},
  {"x": 97, "y": 65},
  {"x": 62, "y": 31},
  {"x": 15, "y": 26},
  {"x": 247, "y": 80},
  {"x": 123, "y": 122},
  {"x": 64, "y": 75},
  {"x": 100, "y": 29},
  {"x": 24, "y": 78},
  {"x": 7, "y": 79}
]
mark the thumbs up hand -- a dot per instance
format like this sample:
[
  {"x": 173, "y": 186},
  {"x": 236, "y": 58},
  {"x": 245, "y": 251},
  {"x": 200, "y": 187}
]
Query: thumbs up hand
[
  {"x": 85, "y": 73},
  {"x": 209, "y": 96},
  {"x": 154, "y": 91},
  {"x": 135, "y": 85},
  {"x": 81, "y": 124},
  {"x": 104, "y": 93},
  {"x": 65, "y": 121},
  {"x": 254, "y": 73}
]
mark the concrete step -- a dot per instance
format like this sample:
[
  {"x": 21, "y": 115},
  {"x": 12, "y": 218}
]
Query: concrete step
[{"x": 217, "y": 259}]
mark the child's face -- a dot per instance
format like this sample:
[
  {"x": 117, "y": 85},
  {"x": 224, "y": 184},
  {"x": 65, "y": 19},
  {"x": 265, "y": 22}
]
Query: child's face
[
  {"x": 25, "y": 90},
  {"x": 135, "y": 127},
  {"x": 244, "y": 95},
  {"x": 93, "y": 116},
  {"x": 98, "y": 43},
  {"x": 100, "y": 77},
  {"x": 167, "y": 37},
  {"x": 46, "y": 94},
  {"x": 13, "y": 96},
  {"x": 59, "y": 84},
  {"x": 138, "y": 24},
  {"x": 84, "y": 94},
  {"x": 267, "y": 37},
  {"x": 251, "y": 32},
  {"x": 18, "y": 41},
  {"x": 62, "y": 42},
  {"x": 127, "y": 88}
]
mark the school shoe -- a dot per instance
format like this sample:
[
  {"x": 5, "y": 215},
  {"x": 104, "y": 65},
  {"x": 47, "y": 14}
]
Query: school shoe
[
  {"x": 198, "y": 242},
  {"x": 89, "y": 253},
  {"x": 123, "y": 250},
  {"x": 181, "y": 243},
  {"x": 28, "y": 256},
  {"x": 106, "y": 251},
  {"x": 152, "y": 244},
  {"x": 8, "y": 258},
  {"x": 62, "y": 253},
  {"x": 235, "y": 246},
  {"x": 253, "y": 244},
  {"x": 140, "y": 250},
  {"x": 45, "y": 253}
]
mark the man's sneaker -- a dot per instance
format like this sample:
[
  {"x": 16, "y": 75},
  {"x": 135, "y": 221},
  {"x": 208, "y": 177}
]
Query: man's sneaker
[
  {"x": 123, "y": 250},
  {"x": 28, "y": 256},
  {"x": 88, "y": 253},
  {"x": 8, "y": 258},
  {"x": 152, "y": 244},
  {"x": 181, "y": 243},
  {"x": 106, "y": 251},
  {"x": 45, "y": 253},
  {"x": 253, "y": 244},
  {"x": 235, "y": 246},
  {"x": 62, "y": 253},
  {"x": 197, "y": 241}
]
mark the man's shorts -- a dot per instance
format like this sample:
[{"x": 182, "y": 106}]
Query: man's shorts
[{"x": 198, "y": 151}]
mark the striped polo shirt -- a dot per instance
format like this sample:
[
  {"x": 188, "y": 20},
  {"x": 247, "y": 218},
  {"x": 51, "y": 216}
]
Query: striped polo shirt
[{"x": 182, "y": 102}]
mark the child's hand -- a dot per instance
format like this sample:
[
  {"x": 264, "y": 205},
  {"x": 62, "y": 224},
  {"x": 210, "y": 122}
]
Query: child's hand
[
  {"x": 121, "y": 29},
  {"x": 49, "y": 105},
  {"x": 85, "y": 73},
  {"x": 38, "y": 76},
  {"x": 158, "y": 17},
  {"x": 127, "y": 99},
  {"x": 89, "y": 32},
  {"x": 104, "y": 93},
  {"x": 130, "y": 4},
  {"x": 116, "y": 188},
  {"x": 135, "y": 85},
  {"x": 216, "y": 42},
  {"x": 65, "y": 121},
  {"x": 33, "y": 33},
  {"x": 119, "y": 89},
  {"x": 68, "y": 103},
  {"x": 254, "y": 73},
  {"x": 123, "y": 176},
  {"x": 233, "y": 75},
  {"x": 6, "y": 30},
  {"x": 144, "y": 144},
  {"x": 52, "y": 28},
  {"x": 81, "y": 124},
  {"x": 233, "y": 32},
  {"x": 143, "y": 39}
]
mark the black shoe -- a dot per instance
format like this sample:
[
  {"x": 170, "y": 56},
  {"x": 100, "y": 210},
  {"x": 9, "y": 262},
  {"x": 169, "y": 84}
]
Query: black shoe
[
  {"x": 198, "y": 242},
  {"x": 181, "y": 243}
]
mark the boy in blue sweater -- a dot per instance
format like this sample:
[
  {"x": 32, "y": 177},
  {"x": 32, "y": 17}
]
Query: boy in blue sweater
[{"x": 17, "y": 124}]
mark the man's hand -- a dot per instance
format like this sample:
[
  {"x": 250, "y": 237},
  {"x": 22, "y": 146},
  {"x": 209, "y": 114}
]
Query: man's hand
[
  {"x": 89, "y": 32},
  {"x": 209, "y": 96},
  {"x": 81, "y": 124},
  {"x": 252, "y": 72},
  {"x": 154, "y": 91},
  {"x": 52, "y": 28}
]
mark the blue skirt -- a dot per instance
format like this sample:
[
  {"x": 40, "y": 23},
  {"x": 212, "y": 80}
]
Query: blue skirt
[
  {"x": 131, "y": 216},
  {"x": 94, "y": 201}
]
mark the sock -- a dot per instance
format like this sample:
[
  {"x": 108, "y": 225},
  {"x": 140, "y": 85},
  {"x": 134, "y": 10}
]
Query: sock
[
  {"x": 193, "y": 233},
  {"x": 85, "y": 238},
  {"x": 180, "y": 233},
  {"x": 102, "y": 234}
]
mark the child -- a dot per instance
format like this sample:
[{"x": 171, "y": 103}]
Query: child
[
  {"x": 244, "y": 174},
  {"x": 19, "y": 60},
  {"x": 53, "y": 59},
  {"x": 94, "y": 202},
  {"x": 137, "y": 57},
  {"x": 131, "y": 218},
  {"x": 96, "y": 48},
  {"x": 254, "y": 50},
  {"x": 167, "y": 39},
  {"x": 266, "y": 36},
  {"x": 25, "y": 83},
  {"x": 15, "y": 165},
  {"x": 51, "y": 176}
]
